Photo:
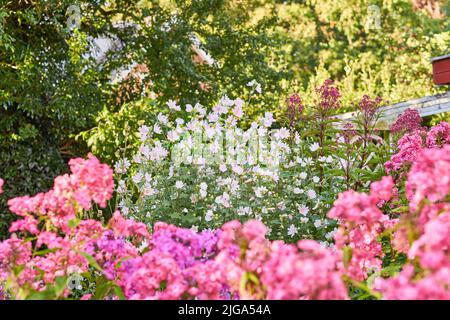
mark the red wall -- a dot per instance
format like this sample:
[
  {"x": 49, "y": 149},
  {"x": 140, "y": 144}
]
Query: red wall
[{"x": 441, "y": 71}]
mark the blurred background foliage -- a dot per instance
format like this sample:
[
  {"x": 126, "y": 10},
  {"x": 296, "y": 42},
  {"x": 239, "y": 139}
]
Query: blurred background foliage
[{"x": 59, "y": 100}]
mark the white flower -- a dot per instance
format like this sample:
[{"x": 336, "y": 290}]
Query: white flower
[
  {"x": 214, "y": 147},
  {"x": 297, "y": 190},
  {"x": 122, "y": 166},
  {"x": 149, "y": 191},
  {"x": 237, "y": 111},
  {"x": 304, "y": 220},
  {"x": 318, "y": 223},
  {"x": 143, "y": 245},
  {"x": 203, "y": 192},
  {"x": 189, "y": 108},
  {"x": 242, "y": 211},
  {"x": 137, "y": 158},
  {"x": 162, "y": 118},
  {"x": 329, "y": 159},
  {"x": 224, "y": 200},
  {"x": 226, "y": 101},
  {"x": 137, "y": 177},
  {"x": 157, "y": 129},
  {"x": 158, "y": 152},
  {"x": 237, "y": 169},
  {"x": 297, "y": 138},
  {"x": 292, "y": 230},
  {"x": 314, "y": 147},
  {"x": 179, "y": 121},
  {"x": 145, "y": 150},
  {"x": 223, "y": 167},
  {"x": 281, "y": 206},
  {"x": 268, "y": 119},
  {"x": 121, "y": 188},
  {"x": 303, "y": 175},
  {"x": 200, "y": 161},
  {"x": 213, "y": 117},
  {"x": 234, "y": 186},
  {"x": 220, "y": 109},
  {"x": 303, "y": 210},
  {"x": 173, "y": 105},
  {"x": 179, "y": 184},
  {"x": 199, "y": 108},
  {"x": 282, "y": 133},
  {"x": 238, "y": 102},
  {"x": 330, "y": 234},
  {"x": 260, "y": 191},
  {"x": 194, "y": 228},
  {"x": 143, "y": 131},
  {"x": 173, "y": 135},
  {"x": 209, "y": 215},
  {"x": 256, "y": 85},
  {"x": 316, "y": 179},
  {"x": 311, "y": 194}
]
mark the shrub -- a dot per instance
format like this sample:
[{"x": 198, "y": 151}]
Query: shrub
[{"x": 200, "y": 169}]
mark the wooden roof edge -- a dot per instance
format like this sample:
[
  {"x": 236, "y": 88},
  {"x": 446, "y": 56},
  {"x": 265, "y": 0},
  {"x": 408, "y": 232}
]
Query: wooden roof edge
[{"x": 445, "y": 56}]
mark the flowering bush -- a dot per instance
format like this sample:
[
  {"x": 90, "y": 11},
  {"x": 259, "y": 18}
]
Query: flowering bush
[
  {"x": 199, "y": 169},
  {"x": 415, "y": 139}
]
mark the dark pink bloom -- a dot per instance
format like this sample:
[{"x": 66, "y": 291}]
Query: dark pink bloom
[{"x": 408, "y": 122}]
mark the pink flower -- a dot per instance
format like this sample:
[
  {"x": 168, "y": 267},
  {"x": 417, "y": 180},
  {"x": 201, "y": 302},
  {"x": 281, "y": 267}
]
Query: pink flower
[
  {"x": 329, "y": 96},
  {"x": 27, "y": 224},
  {"x": 438, "y": 135},
  {"x": 408, "y": 122},
  {"x": 382, "y": 189},
  {"x": 361, "y": 222},
  {"x": 409, "y": 146},
  {"x": 429, "y": 176},
  {"x": 307, "y": 272},
  {"x": 1, "y": 185},
  {"x": 128, "y": 228}
]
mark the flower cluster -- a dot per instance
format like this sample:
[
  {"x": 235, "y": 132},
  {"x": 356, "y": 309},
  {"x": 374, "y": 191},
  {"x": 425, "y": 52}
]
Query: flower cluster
[
  {"x": 294, "y": 108},
  {"x": 55, "y": 241},
  {"x": 275, "y": 270},
  {"x": 408, "y": 122},
  {"x": 422, "y": 178},
  {"x": 329, "y": 96},
  {"x": 423, "y": 232},
  {"x": 361, "y": 222},
  {"x": 417, "y": 138},
  {"x": 90, "y": 182}
]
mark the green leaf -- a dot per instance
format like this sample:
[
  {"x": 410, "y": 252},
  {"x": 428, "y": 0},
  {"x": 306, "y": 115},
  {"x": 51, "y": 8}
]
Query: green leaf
[
  {"x": 91, "y": 261},
  {"x": 347, "y": 255},
  {"x": 73, "y": 223}
]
